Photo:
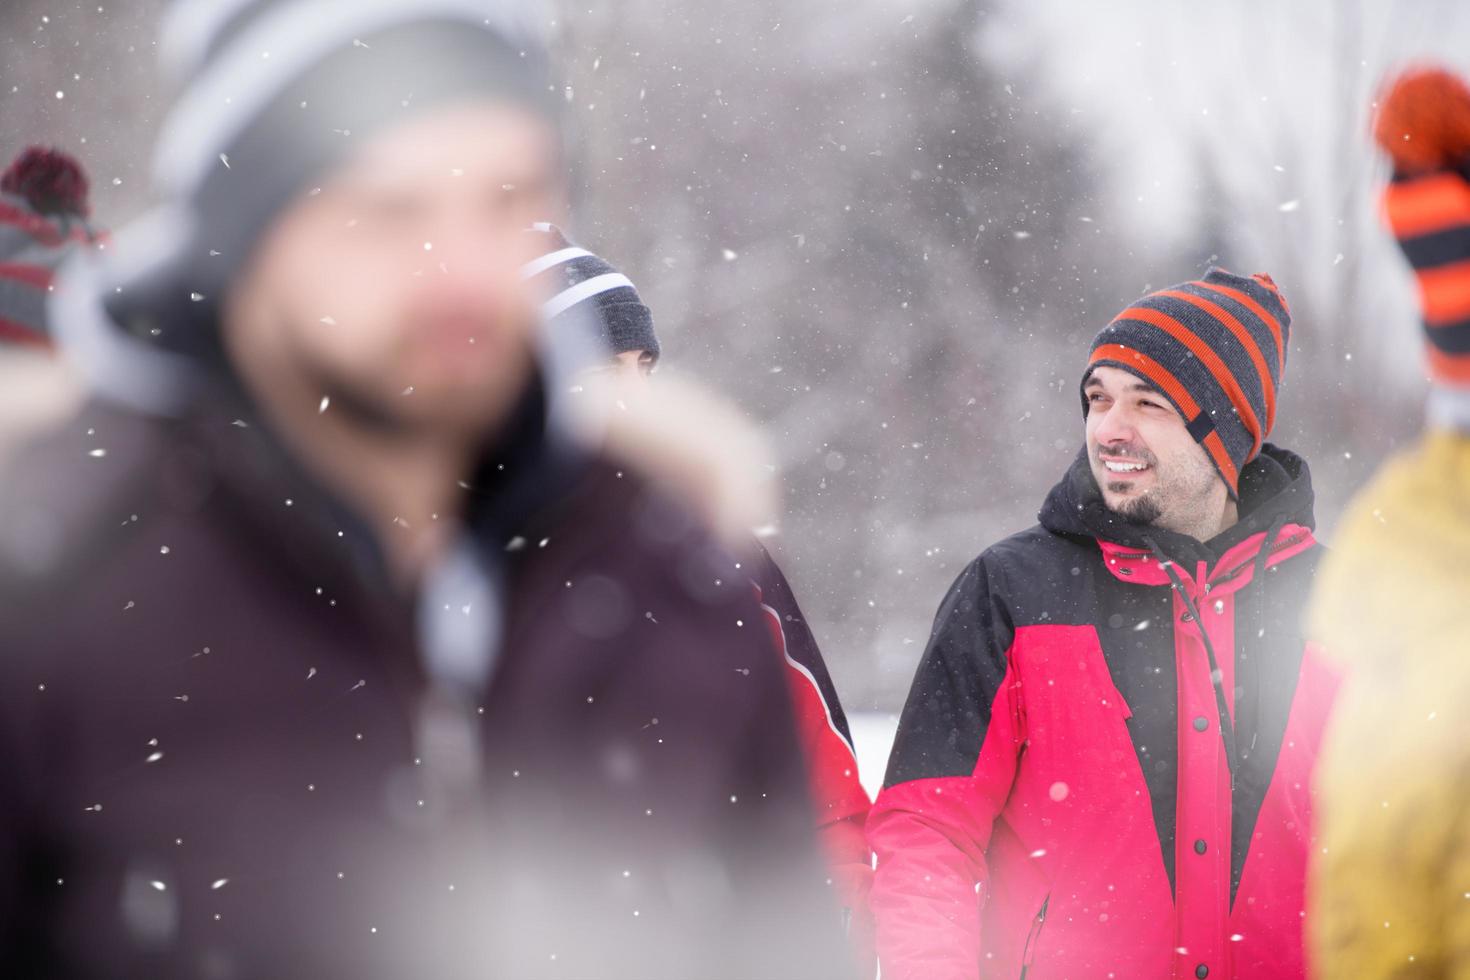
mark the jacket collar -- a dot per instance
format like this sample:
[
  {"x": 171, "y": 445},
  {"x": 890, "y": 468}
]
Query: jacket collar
[
  {"x": 529, "y": 464},
  {"x": 1275, "y": 496}
]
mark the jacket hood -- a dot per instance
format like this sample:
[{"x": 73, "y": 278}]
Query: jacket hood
[
  {"x": 1275, "y": 488},
  {"x": 135, "y": 364},
  {"x": 688, "y": 445},
  {"x": 692, "y": 446}
]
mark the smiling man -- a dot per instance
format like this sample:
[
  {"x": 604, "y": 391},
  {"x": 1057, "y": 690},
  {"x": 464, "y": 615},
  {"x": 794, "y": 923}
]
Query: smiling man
[{"x": 1103, "y": 767}]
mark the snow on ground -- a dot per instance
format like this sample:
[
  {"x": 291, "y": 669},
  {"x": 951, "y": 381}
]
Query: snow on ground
[{"x": 872, "y": 732}]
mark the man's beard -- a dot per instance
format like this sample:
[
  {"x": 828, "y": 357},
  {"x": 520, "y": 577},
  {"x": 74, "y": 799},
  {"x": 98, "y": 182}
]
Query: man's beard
[
  {"x": 368, "y": 409},
  {"x": 1144, "y": 510}
]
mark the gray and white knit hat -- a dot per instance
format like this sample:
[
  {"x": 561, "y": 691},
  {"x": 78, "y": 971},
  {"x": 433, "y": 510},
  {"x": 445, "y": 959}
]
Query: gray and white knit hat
[
  {"x": 274, "y": 94},
  {"x": 579, "y": 283}
]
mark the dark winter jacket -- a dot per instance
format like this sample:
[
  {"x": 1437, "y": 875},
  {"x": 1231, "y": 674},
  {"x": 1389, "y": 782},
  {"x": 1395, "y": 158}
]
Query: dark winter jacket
[
  {"x": 841, "y": 802},
  {"x": 1062, "y": 799},
  {"x": 221, "y": 754}
]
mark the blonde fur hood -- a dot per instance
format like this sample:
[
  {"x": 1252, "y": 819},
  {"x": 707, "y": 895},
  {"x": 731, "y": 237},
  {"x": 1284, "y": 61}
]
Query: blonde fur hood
[{"x": 689, "y": 442}]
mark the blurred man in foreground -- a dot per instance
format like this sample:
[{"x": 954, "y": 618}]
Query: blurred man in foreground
[
  {"x": 1102, "y": 769},
  {"x": 334, "y": 653},
  {"x": 1391, "y": 883},
  {"x": 579, "y": 282}
]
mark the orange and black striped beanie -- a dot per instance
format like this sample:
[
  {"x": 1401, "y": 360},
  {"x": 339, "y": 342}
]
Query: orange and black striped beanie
[
  {"x": 1216, "y": 349},
  {"x": 1423, "y": 124}
]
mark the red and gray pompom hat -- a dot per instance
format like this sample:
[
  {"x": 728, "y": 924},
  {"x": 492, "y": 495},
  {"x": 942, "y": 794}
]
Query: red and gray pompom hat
[
  {"x": 1423, "y": 124},
  {"x": 43, "y": 218},
  {"x": 1216, "y": 349}
]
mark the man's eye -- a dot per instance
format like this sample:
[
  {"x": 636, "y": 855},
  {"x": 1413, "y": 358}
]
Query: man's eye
[{"x": 1094, "y": 398}]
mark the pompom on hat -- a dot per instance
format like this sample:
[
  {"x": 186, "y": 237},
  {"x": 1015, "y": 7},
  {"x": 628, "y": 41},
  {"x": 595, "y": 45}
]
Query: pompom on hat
[{"x": 1423, "y": 121}]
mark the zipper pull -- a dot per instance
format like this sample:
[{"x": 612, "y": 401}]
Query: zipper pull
[{"x": 1029, "y": 953}]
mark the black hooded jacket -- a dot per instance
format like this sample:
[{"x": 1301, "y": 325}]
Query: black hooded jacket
[{"x": 1110, "y": 736}]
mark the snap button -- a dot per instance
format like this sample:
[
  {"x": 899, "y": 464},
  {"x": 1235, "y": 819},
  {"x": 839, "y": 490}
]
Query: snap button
[
  {"x": 1201, "y": 971},
  {"x": 1201, "y": 723},
  {"x": 1200, "y": 847}
]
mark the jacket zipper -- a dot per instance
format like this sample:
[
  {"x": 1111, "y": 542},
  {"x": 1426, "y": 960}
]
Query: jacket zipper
[
  {"x": 1276, "y": 548},
  {"x": 1029, "y": 953}
]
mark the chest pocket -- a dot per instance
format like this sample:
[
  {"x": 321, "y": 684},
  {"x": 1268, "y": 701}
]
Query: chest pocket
[
  {"x": 1063, "y": 697},
  {"x": 1113, "y": 699}
]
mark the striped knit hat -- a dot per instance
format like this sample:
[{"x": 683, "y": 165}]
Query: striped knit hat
[
  {"x": 579, "y": 282},
  {"x": 1216, "y": 348},
  {"x": 43, "y": 210},
  {"x": 1424, "y": 126}
]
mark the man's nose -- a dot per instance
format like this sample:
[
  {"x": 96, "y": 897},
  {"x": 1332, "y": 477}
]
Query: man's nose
[
  {"x": 1116, "y": 426},
  {"x": 459, "y": 249}
]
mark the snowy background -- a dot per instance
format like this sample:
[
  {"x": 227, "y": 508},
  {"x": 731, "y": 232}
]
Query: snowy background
[{"x": 889, "y": 229}]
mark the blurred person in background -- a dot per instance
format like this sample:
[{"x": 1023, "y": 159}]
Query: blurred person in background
[
  {"x": 330, "y": 648},
  {"x": 43, "y": 219},
  {"x": 1102, "y": 768},
  {"x": 1391, "y": 882},
  {"x": 577, "y": 282}
]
